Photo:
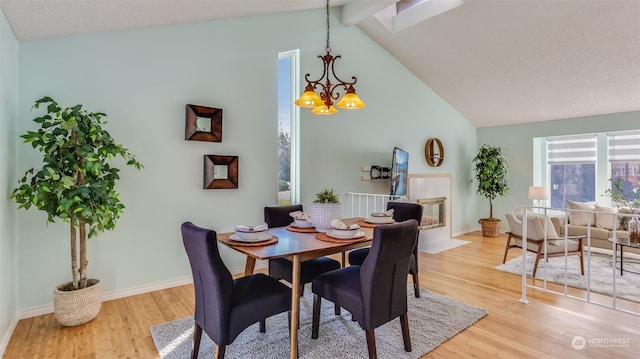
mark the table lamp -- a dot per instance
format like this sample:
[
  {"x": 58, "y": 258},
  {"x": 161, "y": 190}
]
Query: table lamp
[{"x": 537, "y": 194}]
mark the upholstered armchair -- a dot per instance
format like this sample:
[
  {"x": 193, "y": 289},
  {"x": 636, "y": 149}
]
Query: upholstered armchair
[{"x": 535, "y": 239}]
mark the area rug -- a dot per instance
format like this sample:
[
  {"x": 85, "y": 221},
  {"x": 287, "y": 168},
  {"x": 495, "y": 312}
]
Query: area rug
[
  {"x": 601, "y": 274},
  {"x": 433, "y": 319}
]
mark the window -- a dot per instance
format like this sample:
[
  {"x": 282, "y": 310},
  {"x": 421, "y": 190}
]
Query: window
[
  {"x": 624, "y": 162},
  {"x": 288, "y": 149},
  {"x": 572, "y": 169}
]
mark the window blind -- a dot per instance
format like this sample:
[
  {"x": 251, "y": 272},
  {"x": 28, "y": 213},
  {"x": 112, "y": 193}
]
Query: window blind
[
  {"x": 624, "y": 146},
  {"x": 572, "y": 149}
]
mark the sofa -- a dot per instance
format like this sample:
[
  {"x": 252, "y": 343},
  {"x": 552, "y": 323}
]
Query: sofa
[{"x": 589, "y": 217}]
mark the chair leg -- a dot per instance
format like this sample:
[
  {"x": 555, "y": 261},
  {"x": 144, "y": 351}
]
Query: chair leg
[
  {"x": 315, "y": 320},
  {"x": 404, "y": 324},
  {"x": 539, "y": 256},
  {"x": 302, "y": 289},
  {"x": 416, "y": 284},
  {"x": 220, "y": 349},
  {"x": 506, "y": 249},
  {"x": 336, "y": 309},
  {"x": 581, "y": 255},
  {"x": 197, "y": 335},
  {"x": 263, "y": 325},
  {"x": 371, "y": 343}
]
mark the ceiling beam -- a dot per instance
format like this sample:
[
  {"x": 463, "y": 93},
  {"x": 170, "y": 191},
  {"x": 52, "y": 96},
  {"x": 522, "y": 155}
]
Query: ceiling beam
[{"x": 355, "y": 11}]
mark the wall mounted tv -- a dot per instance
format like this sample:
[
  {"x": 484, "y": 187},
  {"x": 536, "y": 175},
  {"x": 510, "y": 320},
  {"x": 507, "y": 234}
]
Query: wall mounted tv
[{"x": 399, "y": 170}]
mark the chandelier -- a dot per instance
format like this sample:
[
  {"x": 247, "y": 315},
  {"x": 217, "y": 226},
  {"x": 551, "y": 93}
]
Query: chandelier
[{"x": 322, "y": 103}]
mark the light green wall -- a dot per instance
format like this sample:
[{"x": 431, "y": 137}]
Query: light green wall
[
  {"x": 8, "y": 142},
  {"x": 517, "y": 140},
  {"x": 143, "y": 78}
]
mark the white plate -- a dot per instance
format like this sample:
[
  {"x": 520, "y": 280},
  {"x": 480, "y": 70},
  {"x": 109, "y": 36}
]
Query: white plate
[
  {"x": 306, "y": 225},
  {"x": 339, "y": 236},
  {"x": 262, "y": 238},
  {"x": 379, "y": 220}
]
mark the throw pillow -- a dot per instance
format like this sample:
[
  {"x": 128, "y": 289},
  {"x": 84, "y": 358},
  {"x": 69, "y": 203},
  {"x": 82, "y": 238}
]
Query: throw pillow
[
  {"x": 604, "y": 220},
  {"x": 582, "y": 218}
]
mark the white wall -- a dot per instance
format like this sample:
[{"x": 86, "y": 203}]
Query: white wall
[
  {"x": 8, "y": 142},
  {"x": 142, "y": 79}
]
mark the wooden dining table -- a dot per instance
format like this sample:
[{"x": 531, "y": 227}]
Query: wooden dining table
[{"x": 297, "y": 247}]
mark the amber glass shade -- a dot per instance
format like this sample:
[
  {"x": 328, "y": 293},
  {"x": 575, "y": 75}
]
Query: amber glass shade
[
  {"x": 309, "y": 98},
  {"x": 324, "y": 110},
  {"x": 350, "y": 101}
]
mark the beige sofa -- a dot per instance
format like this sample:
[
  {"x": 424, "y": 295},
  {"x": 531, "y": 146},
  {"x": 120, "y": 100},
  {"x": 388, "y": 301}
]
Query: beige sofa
[{"x": 590, "y": 218}]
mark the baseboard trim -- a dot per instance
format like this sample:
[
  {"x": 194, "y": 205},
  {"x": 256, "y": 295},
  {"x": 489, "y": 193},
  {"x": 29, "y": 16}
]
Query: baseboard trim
[
  {"x": 7, "y": 335},
  {"x": 127, "y": 292}
]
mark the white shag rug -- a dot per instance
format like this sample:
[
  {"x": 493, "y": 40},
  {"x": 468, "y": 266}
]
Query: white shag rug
[
  {"x": 433, "y": 319},
  {"x": 600, "y": 273}
]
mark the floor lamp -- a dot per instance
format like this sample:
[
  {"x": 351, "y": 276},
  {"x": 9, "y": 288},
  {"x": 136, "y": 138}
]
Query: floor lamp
[{"x": 537, "y": 194}]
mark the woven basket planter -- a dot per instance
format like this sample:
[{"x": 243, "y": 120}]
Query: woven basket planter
[
  {"x": 323, "y": 213},
  {"x": 76, "y": 307},
  {"x": 490, "y": 227}
]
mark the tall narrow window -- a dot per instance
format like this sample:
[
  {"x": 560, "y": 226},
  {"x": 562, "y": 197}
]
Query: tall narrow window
[
  {"x": 288, "y": 148},
  {"x": 572, "y": 169},
  {"x": 624, "y": 161}
]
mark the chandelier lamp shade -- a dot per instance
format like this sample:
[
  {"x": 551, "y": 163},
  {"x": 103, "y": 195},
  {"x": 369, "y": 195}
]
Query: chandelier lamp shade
[{"x": 322, "y": 101}]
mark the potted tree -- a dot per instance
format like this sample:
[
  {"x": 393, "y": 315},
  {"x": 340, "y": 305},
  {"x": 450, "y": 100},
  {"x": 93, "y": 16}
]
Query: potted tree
[
  {"x": 76, "y": 185},
  {"x": 490, "y": 169},
  {"x": 324, "y": 208}
]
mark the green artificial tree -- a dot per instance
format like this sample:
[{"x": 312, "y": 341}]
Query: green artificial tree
[{"x": 76, "y": 182}]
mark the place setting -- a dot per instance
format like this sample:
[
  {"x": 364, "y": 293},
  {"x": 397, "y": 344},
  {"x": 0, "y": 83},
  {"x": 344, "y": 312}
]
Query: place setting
[
  {"x": 301, "y": 223},
  {"x": 251, "y": 236},
  {"x": 341, "y": 232},
  {"x": 376, "y": 219}
]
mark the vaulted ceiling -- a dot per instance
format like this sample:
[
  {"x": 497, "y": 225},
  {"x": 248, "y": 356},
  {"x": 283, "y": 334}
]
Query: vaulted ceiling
[{"x": 497, "y": 62}]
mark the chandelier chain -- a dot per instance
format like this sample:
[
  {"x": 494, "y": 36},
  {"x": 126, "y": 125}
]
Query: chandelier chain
[{"x": 328, "y": 48}]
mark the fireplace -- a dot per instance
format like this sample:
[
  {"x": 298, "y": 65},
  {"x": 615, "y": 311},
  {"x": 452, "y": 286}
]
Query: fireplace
[{"x": 434, "y": 212}]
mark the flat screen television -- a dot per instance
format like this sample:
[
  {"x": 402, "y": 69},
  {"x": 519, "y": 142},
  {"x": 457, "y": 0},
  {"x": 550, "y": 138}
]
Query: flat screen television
[{"x": 399, "y": 169}]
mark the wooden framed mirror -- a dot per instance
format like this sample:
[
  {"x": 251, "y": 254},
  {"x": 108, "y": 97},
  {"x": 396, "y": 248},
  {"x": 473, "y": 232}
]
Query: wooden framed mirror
[
  {"x": 434, "y": 152},
  {"x": 220, "y": 172},
  {"x": 203, "y": 123}
]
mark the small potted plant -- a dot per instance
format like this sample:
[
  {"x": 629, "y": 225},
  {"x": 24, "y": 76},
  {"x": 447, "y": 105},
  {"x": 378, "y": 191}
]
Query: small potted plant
[
  {"x": 76, "y": 185},
  {"x": 490, "y": 168},
  {"x": 324, "y": 208}
]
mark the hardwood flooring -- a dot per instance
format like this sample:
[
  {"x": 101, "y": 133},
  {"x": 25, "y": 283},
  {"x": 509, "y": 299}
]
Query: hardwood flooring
[{"x": 544, "y": 328}]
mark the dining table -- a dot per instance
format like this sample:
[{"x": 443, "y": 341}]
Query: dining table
[{"x": 298, "y": 246}]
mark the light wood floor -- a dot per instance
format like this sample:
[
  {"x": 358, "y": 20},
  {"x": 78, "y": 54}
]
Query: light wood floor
[{"x": 544, "y": 328}]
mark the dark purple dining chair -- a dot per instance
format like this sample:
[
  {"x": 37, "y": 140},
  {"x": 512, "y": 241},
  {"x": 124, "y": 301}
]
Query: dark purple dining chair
[
  {"x": 375, "y": 292},
  {"x": 225, "y": 307},
  {"x": 281, "y": 268},
  {"x": 402, "y": 211}
]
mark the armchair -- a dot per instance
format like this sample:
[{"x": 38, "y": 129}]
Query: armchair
[{"x": 535, "y": 240}]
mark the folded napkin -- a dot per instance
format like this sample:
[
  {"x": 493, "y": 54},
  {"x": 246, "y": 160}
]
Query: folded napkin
[
  {"x": 338, "y": 224},
  {"x": 300, "y": 215},
  {"x": 259, "y": 228},
  {"x": 388, "y": 213}
]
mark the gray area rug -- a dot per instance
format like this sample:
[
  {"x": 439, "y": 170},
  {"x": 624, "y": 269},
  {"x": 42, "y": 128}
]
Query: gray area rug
[
  {"x": 600, "y": 276},
  {"x": 433, "y": 319}
]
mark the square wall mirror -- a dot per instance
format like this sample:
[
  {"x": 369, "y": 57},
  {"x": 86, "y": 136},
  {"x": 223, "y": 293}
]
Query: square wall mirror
[
  {"x": 220, "y": 172},
  {"x": 203, "y": 123}
]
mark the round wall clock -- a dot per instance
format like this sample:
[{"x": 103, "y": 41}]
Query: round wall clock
[{"x": 434, "y": 152}]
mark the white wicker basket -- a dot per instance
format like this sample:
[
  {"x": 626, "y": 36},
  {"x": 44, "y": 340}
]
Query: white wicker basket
[
  {"x": 76, "y": 307},
  {"x": 323, "y": 213}
]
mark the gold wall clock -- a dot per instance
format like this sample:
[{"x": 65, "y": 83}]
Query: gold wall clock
[{"x": 434, "y": 152}]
